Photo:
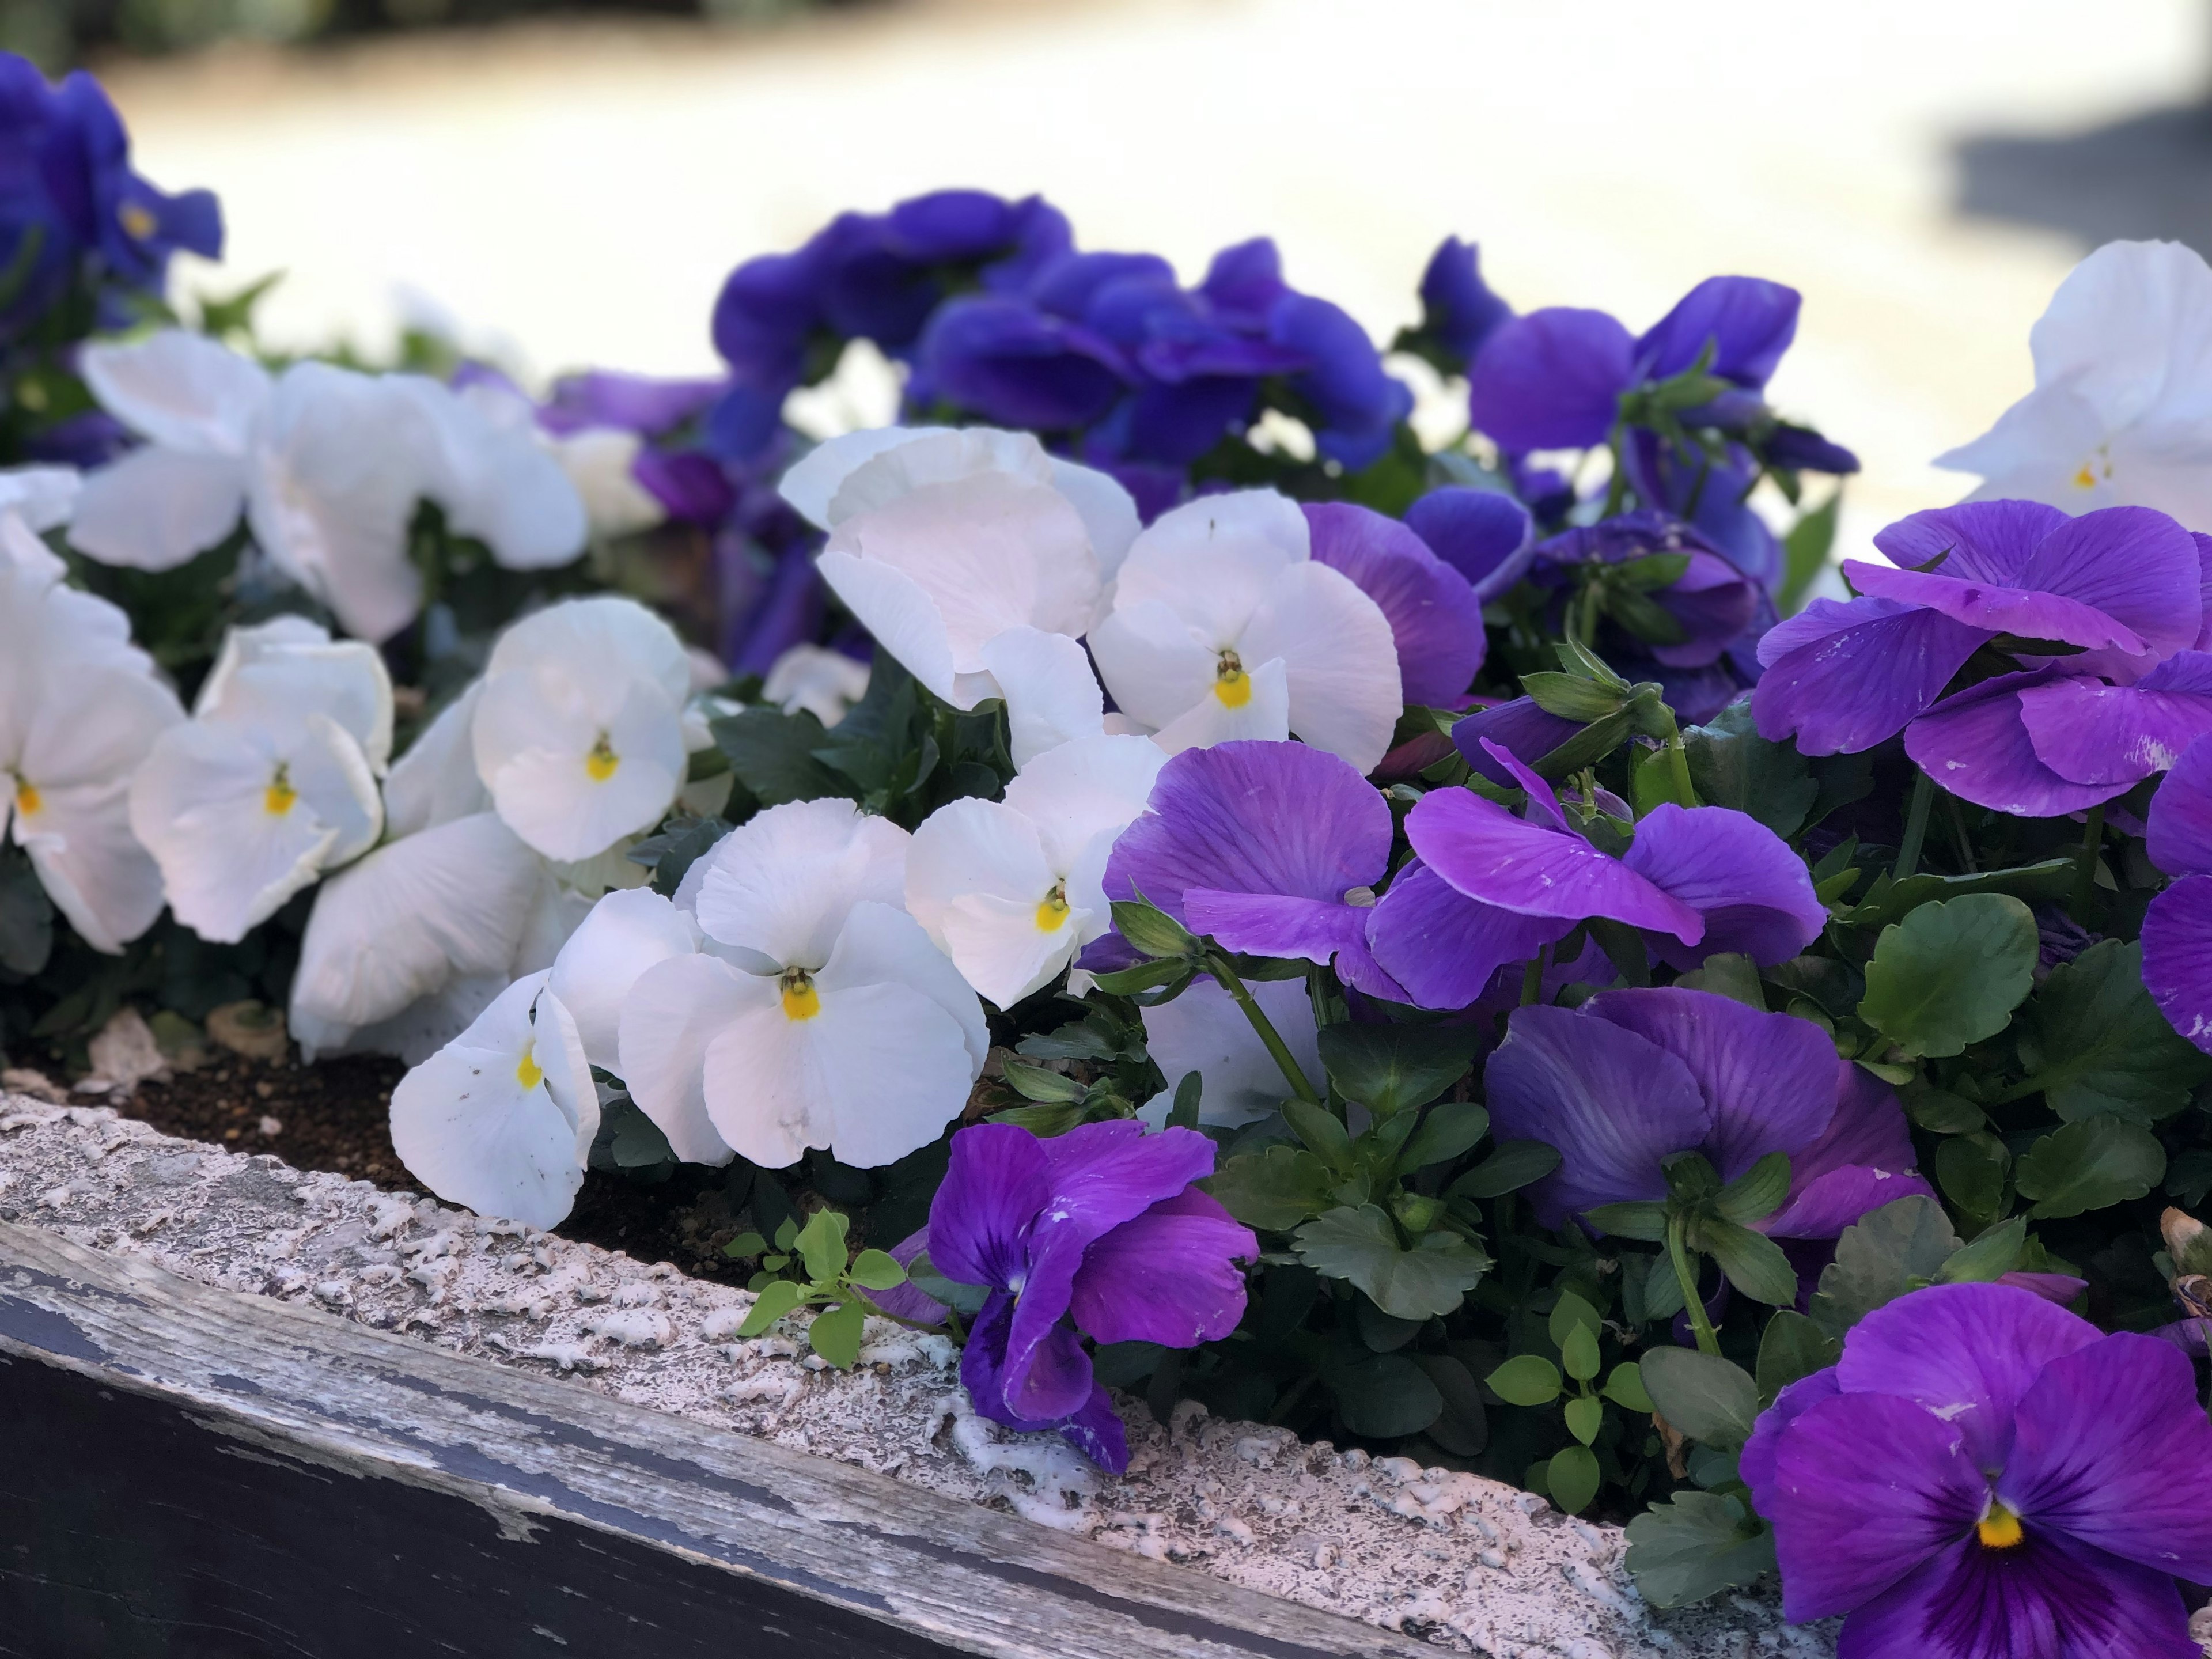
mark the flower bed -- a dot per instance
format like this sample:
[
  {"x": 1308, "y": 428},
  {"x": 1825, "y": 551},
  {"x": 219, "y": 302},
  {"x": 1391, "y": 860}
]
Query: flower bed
[{"x": 1156, "y": 876}]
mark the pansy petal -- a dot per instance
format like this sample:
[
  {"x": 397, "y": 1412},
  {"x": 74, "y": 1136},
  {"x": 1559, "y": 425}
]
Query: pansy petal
[
  {"x": 1753, "y": 891},
  {"x": 1985, "y": 541},
  {"x": 1436, "y": 620},
  {"x": 1967, "y": 1353},
  {"x": 628, "y": 931},
  {"x": 675, "y": 1010},
  {"x": 1443, "y": 946},
  {"x": 156, "y": 508},
  {"x": 779, "y": 886},
  {"x": 183, "y": 391},
  {"x": 1843, "y": 676},
  {"x": 2090, "y": 732},
  {"x": 2048, "y": 1598},
  {"x": 1484, "y": 534},
  {"x": 997, "y": 1182},
  {"x": 1342, "y": 661},
  {"x": 974, "y": 847},
  {"x": 2132, "y": 564},
  {"x": 1614, "y": 1103},
  {"x": 2178, "y": 838},
  {"x": 1082, "y": 791},
  {"x": 1550, "y": 380},
  {"x": 1487, "y": 853},
  {"x": 2176, "y": 956},
  {"x": 1975, "y": 745},
  {"x": 1519, "y": 727},
  {"x": 890, "y": 1066},
  {"x": 1756, "y": 1461},
  {"x": 1205, "y": 1032},
  {"x": 1263, "y": 715},
  {"x": 1770, "y": 1078},
  {"x": 882, "y": 944},
  {"x": 2111, "y": 1448},
  {"x": 1864, "y": 1487},
  {"x": 1167, "y": 1276},
  {"x": 1051, "y": 694}
]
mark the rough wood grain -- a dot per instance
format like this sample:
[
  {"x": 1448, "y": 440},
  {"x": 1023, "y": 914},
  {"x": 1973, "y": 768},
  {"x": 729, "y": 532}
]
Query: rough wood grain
[{"x": 190, "y": 1471}]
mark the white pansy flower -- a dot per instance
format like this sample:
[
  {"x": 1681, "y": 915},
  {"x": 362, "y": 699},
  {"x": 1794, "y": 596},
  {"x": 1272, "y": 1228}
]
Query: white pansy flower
[
  {"x": 2122, "y": 410},
  {"x": 272, "y": 781},
  {"x": 579, "y": 730},
  {"x": 1204, "y": 1030},
  {"x": 824, "y": 683},
  {"x": 1011, "y": 890},
  {"x": 625, "y": 933},
  {"x": 79, "y": 709},
  {"x": 503, "y": 1118},
  {"x": 1223, "y": 626},
  {"x": 327, "y": 465},
  {"x": 820, "y": 1015},
  {"x": 598, "y": 461},
  {"x": 43, "y": 497}
]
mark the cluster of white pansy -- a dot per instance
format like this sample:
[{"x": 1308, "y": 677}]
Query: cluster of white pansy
[
  {"x": 817, "y": 980},
  {"x": 80, "y": 709},
  {"x": 327, "y": 466}
]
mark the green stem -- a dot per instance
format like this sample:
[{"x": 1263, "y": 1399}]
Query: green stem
[
  {"x": 1686, "y": 1275},
  {"x": 2085, "y": 874},
  {"x": 1217, "y": 965},
  {"x": 1956, "y": 817},
  {"x": 1616, "y": 487},
  {"x": 1532, "y": 978},
  {"x": 1916, "y": 825}
]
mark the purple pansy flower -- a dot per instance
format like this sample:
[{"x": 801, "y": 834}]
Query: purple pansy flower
[
  {"x": 2123, "y": 584},
  {"x": 1102, "y": 1225},
  {"x": 2177, "y": 930},
  {"x": 1458, "y": 310},
  {"x": 1631, "y": 1077},
  {"x": 1484, "y": 534},
  {"x": 1435, "y": 618},
  {"x": 1271, "y": 848},
  {"x": 1984, "y": 1475},
  {"x": 1490, "y": 888}
]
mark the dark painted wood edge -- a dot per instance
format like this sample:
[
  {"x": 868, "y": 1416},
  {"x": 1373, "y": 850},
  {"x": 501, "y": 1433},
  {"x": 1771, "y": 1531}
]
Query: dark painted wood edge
[{"x": 322, "y": 1390}]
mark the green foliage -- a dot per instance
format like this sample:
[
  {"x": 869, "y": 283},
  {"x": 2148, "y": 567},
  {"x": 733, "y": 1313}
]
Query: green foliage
[
  {"x": 1698, "y": 1544},
  {"x": 1360, "y": 1244},
  {"x": 2095, "y": 1042},
  {"x": 834, "y": 1281},
  {"x": 1710, "y": 1400},
  {"x": 1950, "y": 973},
  {"x": 1389, "y": 1068},
  {"x": 1732, "y": 766}
]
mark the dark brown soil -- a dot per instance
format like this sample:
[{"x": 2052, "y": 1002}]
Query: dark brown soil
[{"x": 333, "y": 1116}]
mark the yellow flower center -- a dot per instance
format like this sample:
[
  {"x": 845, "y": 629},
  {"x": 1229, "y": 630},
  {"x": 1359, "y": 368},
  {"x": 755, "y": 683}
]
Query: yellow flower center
[
  {"x": 1052, "y": 910},
  {"x": 2000, "y": 1529},
  {"x": 601, "y": 762},
  {"x": 2086, "y": 479},
  {"x": 136, "y": 222},
  {"x": 800, "y": 1000},
  {"x": 1231, "y": 683},
  {"x": 28, "y": 799},
  {"x": 528, "y": 1073},
  {"x": 277, "y": 799}
]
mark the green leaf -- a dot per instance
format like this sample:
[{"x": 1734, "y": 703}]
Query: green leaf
[
  {"x": 1757, "y": 1192},
  {"x": 1183, "y": 1115},
  {"x": 1035, "y": 1083},
  {"x": 1705, "y": 1396},
  {"x": 1361, "y": 1245},
  {"x": 1695, "y": 1545},
  {"x": 1462, "y": 1428},
  {"x": 1151, "y": 931},
  {"x": 1322, "y": 1131},
  {"x": 26, "y": 915},
  {"x": 1273, "y": 1190},
  {"x": 1792, "y": 1348},
  {"x": 634, "y": 1141},
  {"x": 1941, "y": 1112},
  {"x": 1990, "y": 1257},
  {"x": 1887, "y": 1252},
  {"x": 1754, "y": 1263},
  {"x": 775, "y": 1301},
  {"x": 821, "y": 1243},
  {"x": 968, "y": 1299},
  {"x": 745, "y": 1245},
  {"x": 1570, "y": 1314},
  {"x": 1573, "y": 1478},
  {"x": 1578, "y": 1354},
  {"x": 876, "y": 1270},
  {"x": 1731, "y": 765},
  {"x": 835, "y": 1335},
  {"x": 1888, "y": 900},
  {"x": 773, "y": 755},
  {"x": 1951, "y": 973},
  {"x": 1624, "y": 1388},
  {"x": 2096, "y": 1041},
  {"x": 1728, "y": 973},
  {"x": 1511, "y": 1165},
  {"x": 1805, "y": 552},
  {"x": 1447, "y": 1132},
  {"x": 1528, "y": 1379},
  {"x": 2087, "y": 1165},
  {"x": 1570, "y": 697},
  {"x": 1971, "y": 1170},
  {"x": 1585, "y": 1415},
  {"x": 1384, "y": 1396},
  {"x": 1391, "y": 1068},
  {"x": 1643, "y": 1221},
  {"x": 1147, "y": 976}
]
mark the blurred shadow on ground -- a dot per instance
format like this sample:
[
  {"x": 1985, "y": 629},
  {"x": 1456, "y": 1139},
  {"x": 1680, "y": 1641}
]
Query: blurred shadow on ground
[{"x": 2147, "y": 176}]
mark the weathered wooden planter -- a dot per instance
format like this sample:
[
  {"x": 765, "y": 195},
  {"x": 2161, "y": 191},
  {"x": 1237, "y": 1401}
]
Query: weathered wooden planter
[{"x": 189, "y": 1470}]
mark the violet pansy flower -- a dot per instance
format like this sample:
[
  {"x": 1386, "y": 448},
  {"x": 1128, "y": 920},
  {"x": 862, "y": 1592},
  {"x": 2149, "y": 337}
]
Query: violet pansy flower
[
  {"x": 2177, "y": 930},
  {"x": 1436, "y": 620},
  {"x": 1484, "y": 534},
  {"x": 1492, "y": 888},
  {"x": 2123, "y": 585},
  {"x": 1273, "y": 848},
  {"x": 1101, "y": 1226},
  {"x": 1986, "y": 1473},
  {"x": 1632, "y": 1078}
]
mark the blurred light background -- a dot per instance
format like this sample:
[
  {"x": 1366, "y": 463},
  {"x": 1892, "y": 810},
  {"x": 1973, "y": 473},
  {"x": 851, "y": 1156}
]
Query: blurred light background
[{"x": 571, "y": 193}]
